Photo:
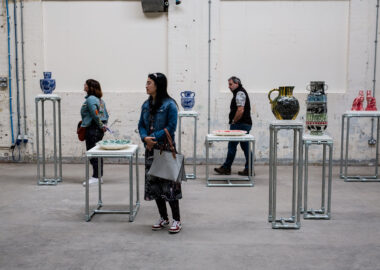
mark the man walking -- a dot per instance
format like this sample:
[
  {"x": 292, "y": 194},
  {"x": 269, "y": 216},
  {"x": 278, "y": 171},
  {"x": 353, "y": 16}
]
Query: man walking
[{"x": 239, "y": 119}]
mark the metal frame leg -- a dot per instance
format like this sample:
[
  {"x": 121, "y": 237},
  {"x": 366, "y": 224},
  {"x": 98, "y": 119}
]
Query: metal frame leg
[
  {"x": 59, "y": 141},
  {"x": 55, "y": 141},
  {"x": 306, "y": 179},
  {"x": 207, "y": 161},
  {"x": 329, "y": 189},
  {"x": 131, "y": 190},
  {"x": 299, "y": 188},
  {"x": 38, "y": 146},
  {"x": 270, "y": 211},
  {"x": 194, "y": 176},
  {"x": 323, "y": 179},
  {"x": 100, "y": 203},
  {"x": 87, "y": 210},
  {"x": 274, "y": 181},
  {"x": 294, "y": 189},
  {"x": 341, "y": 149}
]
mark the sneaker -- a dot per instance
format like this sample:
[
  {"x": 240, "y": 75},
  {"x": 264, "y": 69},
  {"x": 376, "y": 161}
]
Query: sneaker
[
  {"x": 161, "y": 223},
  {"x": 245, "y": 173},
  {"x": 222, "y": 170},
  {"x": 93, "y": 180},
  {"x": 176, "y": 227}
]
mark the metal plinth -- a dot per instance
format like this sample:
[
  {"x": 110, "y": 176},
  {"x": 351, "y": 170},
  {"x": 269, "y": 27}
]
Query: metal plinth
[
  {"x": 251, "y": 149},
  {"x": 319, "y": 213},
  {"x": 358, "y": 178},
  {"x": 128, "y": 153},
  {"x": 194, "y": 115},
  {"x": 293, "y": 222},
  {"x": 43, "y": 180}
]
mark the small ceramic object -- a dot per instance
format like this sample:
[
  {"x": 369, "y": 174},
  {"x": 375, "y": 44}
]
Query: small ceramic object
[
  {"x": 114, "y": 144},
  {"x": 187, "y": 100},
  {"x": 229, "y": 132},
  {"x": 357, "y": 105},
  {"x": 371, "y": 102},
  {"x": 285, "y": 106},
  {"x": 47, "y": 84}
]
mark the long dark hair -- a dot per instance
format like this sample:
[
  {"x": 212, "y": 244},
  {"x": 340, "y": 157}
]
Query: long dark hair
[
  {"x": 94, "y": 88},
  {"x": 162, "y": 91}
]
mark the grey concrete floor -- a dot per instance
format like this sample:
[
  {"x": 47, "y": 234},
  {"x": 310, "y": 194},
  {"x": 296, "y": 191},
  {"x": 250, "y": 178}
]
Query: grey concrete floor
[{"x": 43, "y": 227}]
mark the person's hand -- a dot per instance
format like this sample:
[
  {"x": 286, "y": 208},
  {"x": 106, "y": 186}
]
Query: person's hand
[
  {"x": 104, "y": 128},
  {"x": 150, "y": 142}
]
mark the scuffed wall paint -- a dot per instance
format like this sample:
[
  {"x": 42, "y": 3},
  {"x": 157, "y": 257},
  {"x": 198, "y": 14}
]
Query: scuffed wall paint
[{"x": 187, "y": 70}]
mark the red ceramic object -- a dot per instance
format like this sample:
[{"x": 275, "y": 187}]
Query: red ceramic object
[
  {"x": 357, "y": 105},
  {"x": 371, "y": 102}
]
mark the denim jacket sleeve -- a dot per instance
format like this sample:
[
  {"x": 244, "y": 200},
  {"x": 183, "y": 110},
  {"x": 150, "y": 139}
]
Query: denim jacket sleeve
[
  {"x": 172, "y": 122},
  {"x": 93, "y": 108},
  {"x": 141, "y": 126}
]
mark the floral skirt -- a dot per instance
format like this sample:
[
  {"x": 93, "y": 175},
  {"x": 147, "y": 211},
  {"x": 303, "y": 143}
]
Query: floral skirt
[{"x": 155, "y": 187}]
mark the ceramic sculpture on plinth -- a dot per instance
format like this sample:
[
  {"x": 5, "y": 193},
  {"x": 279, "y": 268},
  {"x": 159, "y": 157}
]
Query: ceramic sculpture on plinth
[
  {"x": 47, "y": 84},
  {"x": 357, "y": 105},
  {"x": 187, "y": 100},
  {"x": 316, "y": 107},
  {"x": 285, "y": 106},
  {"x": 371, "y": 102}
]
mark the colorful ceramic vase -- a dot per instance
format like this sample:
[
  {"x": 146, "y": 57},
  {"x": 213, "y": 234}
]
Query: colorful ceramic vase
[
  {"x": 357, "y": 105},
  {"x": 316, "y": 107},
  {"x": 285, "y": 106},
  {"x": 187, "y": 100},
  {"x": 371, "y": 102},
  {"x": 47, "y": 84}
]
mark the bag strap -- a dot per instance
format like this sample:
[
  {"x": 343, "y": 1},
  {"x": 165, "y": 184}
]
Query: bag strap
[{"x": 170, "y": 143}]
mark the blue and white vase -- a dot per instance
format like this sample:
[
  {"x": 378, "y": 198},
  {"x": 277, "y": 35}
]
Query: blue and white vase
[
  {"x": 47, "y": 84},
  {"x": 187, "y": 100}
]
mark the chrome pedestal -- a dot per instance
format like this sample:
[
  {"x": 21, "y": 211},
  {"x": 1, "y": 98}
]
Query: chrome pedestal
[
  {"x": 128, "y": 153},
  {"x": 191, "y": 114},
  {"x": 294, "y": 221},
  {"x": 44, "y": 180},
  {"x": 249, "y": 179},
  {"x": 358, "y": 178},
  {"x": 321, "y": 213}
]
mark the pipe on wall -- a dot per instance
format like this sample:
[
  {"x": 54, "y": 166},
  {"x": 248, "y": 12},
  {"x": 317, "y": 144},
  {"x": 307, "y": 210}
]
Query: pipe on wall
[
  {"x": 23, "y": 71},
  {"x": 10, "y": 74},
  {"x": 372, "y": 141},
  {"x": 209, "y": 69},
  {"x": 17, "y": 75}
]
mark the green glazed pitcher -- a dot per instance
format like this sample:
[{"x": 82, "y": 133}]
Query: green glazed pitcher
[{"x": 285, "y": 106}]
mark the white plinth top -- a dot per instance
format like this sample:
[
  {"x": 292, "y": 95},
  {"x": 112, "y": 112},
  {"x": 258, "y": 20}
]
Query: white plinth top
[
  {"x": 247, "y": 137},
  {"x": 293, "y": 123},
  {"x": 187, "y": 113},
  {"x": 362, "y": 113},
  {"x": 48, "y": 96},
  {"x": 96, "y": 151},
  {"x": 316, "y": 138}
]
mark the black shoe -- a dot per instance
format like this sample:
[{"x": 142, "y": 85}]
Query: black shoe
[
  {"x": 222, "y": 170},
  {"x": 245, "y": 173}
]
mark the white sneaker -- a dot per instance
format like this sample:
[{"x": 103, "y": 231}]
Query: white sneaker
[
  {"x": 176, "y": 227},
  {"x": 93, "y": 180},
  {"x": 160, "y": 224}
]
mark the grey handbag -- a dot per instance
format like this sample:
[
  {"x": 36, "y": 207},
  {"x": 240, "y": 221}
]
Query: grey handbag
[{"x": 168, "y": 164}]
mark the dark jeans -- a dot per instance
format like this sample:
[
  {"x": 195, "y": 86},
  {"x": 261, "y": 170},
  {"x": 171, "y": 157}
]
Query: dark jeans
[
  {"x": 174, "y": 205},
  {"x": 93, "y": 135},
  {"x": 232, "y": 147}
]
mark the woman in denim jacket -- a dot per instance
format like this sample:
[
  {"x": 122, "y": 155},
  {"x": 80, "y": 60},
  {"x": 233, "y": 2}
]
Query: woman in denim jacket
[
  {"x": 158, "y": 112},
  {"x": 94, "y": 119}
]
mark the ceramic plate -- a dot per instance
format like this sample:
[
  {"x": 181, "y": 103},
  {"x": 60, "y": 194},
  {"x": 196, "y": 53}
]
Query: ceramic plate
[
  {"x": 229, "y": 132},
  {"x": 114, "y": 144}
]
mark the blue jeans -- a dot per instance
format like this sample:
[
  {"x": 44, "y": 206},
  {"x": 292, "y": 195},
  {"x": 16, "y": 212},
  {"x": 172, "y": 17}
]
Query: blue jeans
[{"x": 232, "y": 147}]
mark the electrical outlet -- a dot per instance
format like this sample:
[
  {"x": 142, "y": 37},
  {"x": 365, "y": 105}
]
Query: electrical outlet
[{"x": 3, "y": 82}]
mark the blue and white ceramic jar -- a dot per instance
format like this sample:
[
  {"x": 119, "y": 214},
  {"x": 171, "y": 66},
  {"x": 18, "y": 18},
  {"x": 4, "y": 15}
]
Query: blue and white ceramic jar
[
  {"x": 47, "y": 84},
  {"x": 187, "y": 100}
]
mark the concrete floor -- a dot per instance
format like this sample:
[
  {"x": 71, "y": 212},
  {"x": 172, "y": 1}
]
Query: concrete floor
[{"x": 43, "y": 227}]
